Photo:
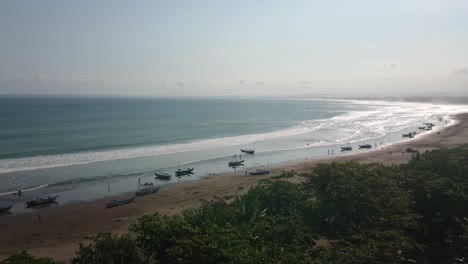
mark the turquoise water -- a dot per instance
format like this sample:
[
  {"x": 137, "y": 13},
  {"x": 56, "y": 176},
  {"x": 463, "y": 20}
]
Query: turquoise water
[
  {"x": 78, "y": 147},
  {"x": 45, "y": 126}
]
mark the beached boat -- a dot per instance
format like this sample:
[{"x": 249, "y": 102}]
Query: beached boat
[
  {"x": 346, "y": 148},
  {"x": 259, "y": 172},
  {"x": 429, "y": 124},
  {"x": 248, "y": 151},
  {"x": 4, "y": 209},
  {"x": 236, "y": 163},
  {"x": 180, "y": 172},
  {"x": 365, "y": 146},
  {"x": 162, "y": 176},
  {"x": 147, "y": 191},
  {"x": 407, "y": 135},
  {"x": 41, "y": 200},
  {"x": 119, "y": 203},
  {"x": 147, "y": 184}
]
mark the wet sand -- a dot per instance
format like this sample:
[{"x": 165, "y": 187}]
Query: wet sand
[{"x": 56, "y": 231}]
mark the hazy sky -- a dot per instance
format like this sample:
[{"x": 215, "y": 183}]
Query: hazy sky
[{"x": 233, "y": 47}]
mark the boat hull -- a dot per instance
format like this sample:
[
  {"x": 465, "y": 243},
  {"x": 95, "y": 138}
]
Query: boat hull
[
  {"x": 40, "y": 201},
  {"x": 147, "y": 191},
  {"x": 119, "y": 203},
  {"x": 5, "y": 209}
]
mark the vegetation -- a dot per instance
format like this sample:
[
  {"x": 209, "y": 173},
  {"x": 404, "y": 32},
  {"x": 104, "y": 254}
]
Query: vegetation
[
  {"x": 367, "y": 213},
  {"x": 26, "y": 258}
]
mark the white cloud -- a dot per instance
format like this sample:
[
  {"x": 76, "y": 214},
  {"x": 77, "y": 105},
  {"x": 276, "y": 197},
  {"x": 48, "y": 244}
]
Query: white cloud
[
  {"x": 390, "y": 66},
  {"x": 461, "y": 71},
  {"x": 85, "y": 78},
  {"x": 39, "y": 77}
]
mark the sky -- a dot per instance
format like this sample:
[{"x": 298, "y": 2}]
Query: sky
[{"x": 200, "y": 48}]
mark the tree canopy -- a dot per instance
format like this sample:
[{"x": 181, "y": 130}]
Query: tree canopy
[{"x": 368, "y": 213}]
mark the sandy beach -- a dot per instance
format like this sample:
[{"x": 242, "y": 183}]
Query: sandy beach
[{"x": 59, "y": 230}]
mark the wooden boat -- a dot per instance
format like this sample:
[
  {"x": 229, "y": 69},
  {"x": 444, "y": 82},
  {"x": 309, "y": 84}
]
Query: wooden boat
[
  {"x": 41, "y": 200},
  {"x": 180, "y": 172},
  {"x": 236, "y": 163},
  {"x": 346, "y": 148},
  {"x": 365, "y": 146},
  {"x": 147, "y": 184},
  {"x": 4, "y": 209},
  {"x": 407, "y": 135},
  {"x": 119, "y": 203},
  {"x": 248, "y": 151},
  {"x": 259, "y": 172},
  {"x": 147, "y": 191},
  {"x": 162, "y": 176}
]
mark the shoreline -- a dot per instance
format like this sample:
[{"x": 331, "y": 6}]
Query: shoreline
[{"x": 59, "y": 230}]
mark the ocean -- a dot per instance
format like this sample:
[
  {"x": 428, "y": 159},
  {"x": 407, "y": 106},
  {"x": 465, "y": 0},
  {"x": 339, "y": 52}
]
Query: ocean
[{"x": 79, "y": 147}]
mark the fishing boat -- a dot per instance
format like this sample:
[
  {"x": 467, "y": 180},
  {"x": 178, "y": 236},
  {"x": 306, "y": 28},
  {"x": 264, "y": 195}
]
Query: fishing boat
[
  {"x": 4, "y": 209},
  {"x": 259, "y": 172},
  {"x": 346, "y": 148},
  {"x": 162, "y": 176},
  {"x": 147, "y": 191},
  {"x": 407, "y": 135},
  {"x": 248, "y": 151},
  {"x": 422, "y": 128},
  {"x": 180, "y": 172},
  {"x": 119, "y": 202},
  {"x": 429, "y": 124},
  {"x": 41, "y": 200},
  {"x": 236, "y": 163},
  {"x": 365, "y": 146},
  {"x": 147, "y": 184}
]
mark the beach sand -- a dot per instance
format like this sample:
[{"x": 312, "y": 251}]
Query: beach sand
[{"x": 58, "y": 230}]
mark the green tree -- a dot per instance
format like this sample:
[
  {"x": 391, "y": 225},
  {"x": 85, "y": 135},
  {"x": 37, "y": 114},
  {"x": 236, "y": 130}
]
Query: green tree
[
  {"x": 26, "y": 258},
  {"x": 111, "y": 249}
]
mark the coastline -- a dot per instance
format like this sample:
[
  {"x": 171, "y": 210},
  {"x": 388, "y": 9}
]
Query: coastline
[{"x": 61, "y": 228}]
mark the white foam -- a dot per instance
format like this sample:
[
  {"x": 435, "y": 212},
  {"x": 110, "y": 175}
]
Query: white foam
[
  {"x": 380, "y": 119},
  {"x": 52, "y": 161}
]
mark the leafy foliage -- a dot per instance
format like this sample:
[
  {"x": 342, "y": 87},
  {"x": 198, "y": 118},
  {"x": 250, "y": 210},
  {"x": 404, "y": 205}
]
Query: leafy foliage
[
  {"x": 26, "y": 258},
  {"x": 368, "y": 213},
  {"x": 108, "y": 248}
]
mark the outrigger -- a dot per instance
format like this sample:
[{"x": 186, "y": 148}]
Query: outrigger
[
  {"x": 180, "y": 172},
  {"x": 409, "y": 135},
  {"x": 41, "y": 200},
  {"x": 162, "y": 176},
  {"x": 4, "y": 209},
  {"x": 248, "y": 151},
  {"x": 147, "y": 191},
  {"x": 119, "y": 203},
  {"x": 236, "y": 163}
]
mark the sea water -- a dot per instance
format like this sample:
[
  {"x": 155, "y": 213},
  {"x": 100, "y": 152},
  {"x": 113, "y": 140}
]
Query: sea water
[{"x": 86, "y": 148}]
